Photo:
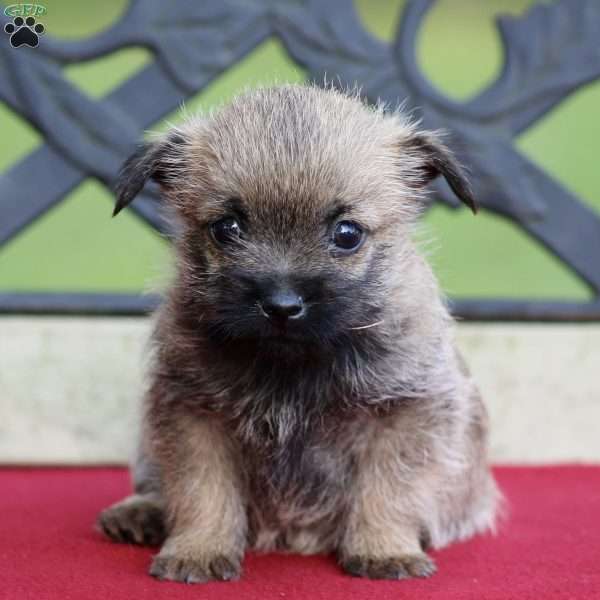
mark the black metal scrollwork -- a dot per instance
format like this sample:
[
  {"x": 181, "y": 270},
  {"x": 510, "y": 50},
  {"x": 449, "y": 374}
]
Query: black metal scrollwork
[{"x": 550, "y": 52}]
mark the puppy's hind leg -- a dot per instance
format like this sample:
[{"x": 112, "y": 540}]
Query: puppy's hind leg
[{"x": 139, "y": 518}]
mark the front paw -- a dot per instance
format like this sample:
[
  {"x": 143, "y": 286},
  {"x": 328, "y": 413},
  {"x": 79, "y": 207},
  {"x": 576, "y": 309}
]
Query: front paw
[
  {"x": 394, "y": 567},
  {"x": 196, "y": 570}
]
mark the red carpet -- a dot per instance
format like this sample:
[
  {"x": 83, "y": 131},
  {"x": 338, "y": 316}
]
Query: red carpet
[{"x": 548, "y": 548}]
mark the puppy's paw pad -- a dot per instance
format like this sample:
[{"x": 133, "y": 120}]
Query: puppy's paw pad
[
  {"x": 134, "y": 522},
  {"x": 220, "y": 568},
  {"x": 397, "y": 567}
]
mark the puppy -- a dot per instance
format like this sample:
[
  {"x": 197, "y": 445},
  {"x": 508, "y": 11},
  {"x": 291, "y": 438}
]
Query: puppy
[{"x": 306, "y": 394}]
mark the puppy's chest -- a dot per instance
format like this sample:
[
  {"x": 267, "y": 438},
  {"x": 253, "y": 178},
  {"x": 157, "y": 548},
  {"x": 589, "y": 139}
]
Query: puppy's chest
[{"x": 298, "y": 481}]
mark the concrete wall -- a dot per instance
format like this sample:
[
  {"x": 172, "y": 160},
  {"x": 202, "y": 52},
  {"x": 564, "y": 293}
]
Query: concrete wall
[{"x": 69, "y": 388}]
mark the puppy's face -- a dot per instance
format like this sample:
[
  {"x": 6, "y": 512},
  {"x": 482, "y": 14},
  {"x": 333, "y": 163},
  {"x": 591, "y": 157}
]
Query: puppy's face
[{"x": 297, "y": 206}]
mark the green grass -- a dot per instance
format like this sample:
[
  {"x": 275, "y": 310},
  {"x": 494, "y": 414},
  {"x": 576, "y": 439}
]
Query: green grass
[{"x": 76, "y": 246}]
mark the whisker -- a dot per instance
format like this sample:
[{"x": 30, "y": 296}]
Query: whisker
[{"x": 367, "y": 326}]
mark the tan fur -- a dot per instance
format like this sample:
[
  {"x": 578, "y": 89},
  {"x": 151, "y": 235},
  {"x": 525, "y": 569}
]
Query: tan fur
[
  {"x": 368, "y": 441},
  {"x": 205, "y": 514}
]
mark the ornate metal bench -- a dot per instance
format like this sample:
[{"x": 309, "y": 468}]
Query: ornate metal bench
[{"x": 86, "y": 138}]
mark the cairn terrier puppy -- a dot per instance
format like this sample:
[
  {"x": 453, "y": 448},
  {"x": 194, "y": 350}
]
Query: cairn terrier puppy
[{"x": 306, "y": 394}]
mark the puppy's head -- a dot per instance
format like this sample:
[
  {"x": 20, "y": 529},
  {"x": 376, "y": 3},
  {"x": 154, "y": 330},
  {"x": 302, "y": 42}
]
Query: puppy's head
[{"x": 297, "y": 206}]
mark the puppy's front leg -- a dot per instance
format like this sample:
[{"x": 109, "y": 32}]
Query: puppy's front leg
[
  {"x": 206, "y": 514},
  {"x": 384, "y": 537}
]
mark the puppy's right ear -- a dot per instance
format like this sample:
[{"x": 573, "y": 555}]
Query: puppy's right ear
[{"x": 156, "y": 160}]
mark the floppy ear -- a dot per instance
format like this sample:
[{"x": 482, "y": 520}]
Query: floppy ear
[
  {"x": 152, "y": 160},
  {"x": 437, "y": 160}
]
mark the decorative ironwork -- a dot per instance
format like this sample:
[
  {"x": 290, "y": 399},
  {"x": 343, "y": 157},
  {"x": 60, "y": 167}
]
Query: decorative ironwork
[{"x": 549, "y": 52}]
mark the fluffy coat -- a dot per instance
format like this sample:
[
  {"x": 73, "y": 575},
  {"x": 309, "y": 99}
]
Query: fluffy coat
[{"x": 357, "y": 431}]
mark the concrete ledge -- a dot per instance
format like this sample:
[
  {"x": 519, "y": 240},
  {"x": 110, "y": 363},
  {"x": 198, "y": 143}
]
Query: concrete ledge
[{"x": 69, "y": 388}]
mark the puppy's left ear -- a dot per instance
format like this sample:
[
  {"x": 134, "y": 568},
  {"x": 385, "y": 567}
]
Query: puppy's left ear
[
  {"x": 436, "y": 159},
  {"x": 157, "y": 160}
]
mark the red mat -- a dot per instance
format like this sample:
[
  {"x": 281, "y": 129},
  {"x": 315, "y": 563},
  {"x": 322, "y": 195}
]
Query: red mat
[{"x": 548, "y": 548}]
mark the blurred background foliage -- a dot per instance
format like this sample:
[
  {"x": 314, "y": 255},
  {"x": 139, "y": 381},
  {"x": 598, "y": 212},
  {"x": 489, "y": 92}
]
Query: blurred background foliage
[{"x": 77, "y": 246}]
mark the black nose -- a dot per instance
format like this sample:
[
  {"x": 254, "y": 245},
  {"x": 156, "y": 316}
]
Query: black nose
[{"x": 282, "y": 305}]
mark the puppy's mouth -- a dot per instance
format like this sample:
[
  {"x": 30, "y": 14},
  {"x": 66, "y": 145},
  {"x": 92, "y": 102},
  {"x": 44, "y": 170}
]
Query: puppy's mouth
[
  {"x": 266, "y": 334},
  {"x": 284, "y": 332},
  {"x": 284, "y": 335}
]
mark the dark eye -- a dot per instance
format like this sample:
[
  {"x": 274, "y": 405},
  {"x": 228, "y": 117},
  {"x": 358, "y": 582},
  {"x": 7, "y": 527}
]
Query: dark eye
[
  {"x": 347, "y": 235},
  {"x": 226, "y": 230}
]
